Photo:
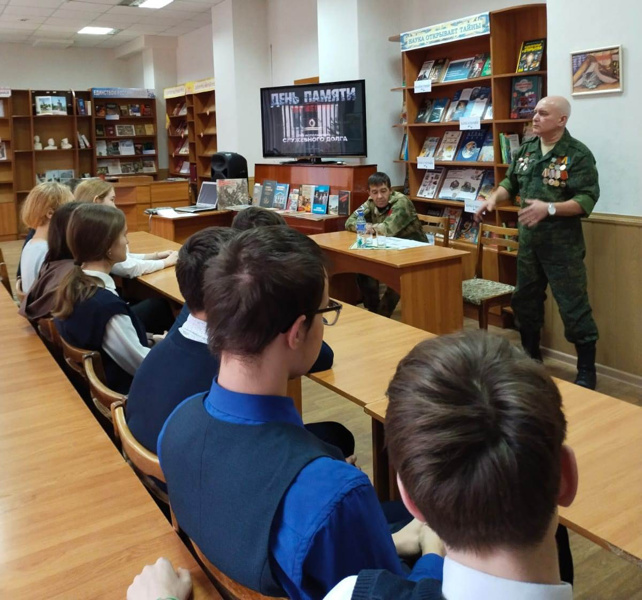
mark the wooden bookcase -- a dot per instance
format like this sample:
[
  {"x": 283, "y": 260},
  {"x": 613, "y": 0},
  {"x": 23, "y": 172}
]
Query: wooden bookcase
[
  {"x": 8, "y": 222},
  {"x": 179, "y": 111},
  {"x": 143, "y": 122},
  {"x": 508, "y": 29},
  {"x": 204, "y": 133}
]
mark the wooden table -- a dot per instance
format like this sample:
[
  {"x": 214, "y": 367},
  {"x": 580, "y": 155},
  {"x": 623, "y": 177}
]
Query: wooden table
[
  {"x": 178, "y": 230},
  {"x": 428, "y": 279},
  {"x": 605, "y": 434},
  {"x": 75, "y": 521},
  {"x": 310, "y": 224}
]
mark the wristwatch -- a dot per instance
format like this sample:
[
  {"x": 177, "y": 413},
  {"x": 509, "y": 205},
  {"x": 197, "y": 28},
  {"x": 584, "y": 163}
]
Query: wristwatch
[{"x": 551, "y": 209}]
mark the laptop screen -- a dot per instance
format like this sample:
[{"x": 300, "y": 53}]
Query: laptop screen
[{"x": 207, "y": 195}]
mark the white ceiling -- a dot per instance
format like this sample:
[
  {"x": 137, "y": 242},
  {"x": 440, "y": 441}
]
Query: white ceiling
[{"x": 27, "y": 21}]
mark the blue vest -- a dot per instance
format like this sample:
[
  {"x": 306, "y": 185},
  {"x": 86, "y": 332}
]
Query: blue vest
[
  {"x": 383, "y": 585},
  {"x": 85, "y": 328},
  {"x": 226, "y": 482}
]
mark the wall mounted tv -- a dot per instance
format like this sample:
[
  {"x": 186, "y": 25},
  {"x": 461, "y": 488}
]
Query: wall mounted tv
[{"x": 316, "y": 120}]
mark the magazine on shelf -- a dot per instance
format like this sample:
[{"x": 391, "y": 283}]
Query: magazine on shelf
[
  {"x": 487, "y": 153},
  {"x": 530, "y": 56},
  {"x": 461, "y": 184},
  {"x": 526, "y": 92},
  {"x": 458, "y": 70},
  {"x": 430, "y": 146},
  {"x": 471, "y": 145},
  {"x": 448, "y": 147},
  {"x": 454, "y": 218},
  {"x": 432, "y": 181}
]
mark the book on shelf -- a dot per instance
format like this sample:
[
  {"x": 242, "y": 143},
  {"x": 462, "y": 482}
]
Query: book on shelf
[
  {"x": 185, "y": 168},
  {"x": 526, "y": 92},
  {"x": 458, "y": 70},
  {"x": 454, "y": 219},
  {"x": 403, "y": 151},
  {"x": 3, "y": 151},
  {"x": 333, "y": 204},
  {"x": 183, "y": 148},
  {"x": 477, "y": 67},
  {"x": 112, "y": 111},
  {"x": 478, "y": 101},
  {"x": 80, "y": 107},
  {"x": 139, "y": 129},
  {"x": 305, "y": 198},
  {"x": 293, "y": 200},
  {"x": 100, "y": 110},
  {"x": 487, "y": 152},
  {"x": 110, "y": 131},
  {"x": 131, "y": 167},
  {"x": 146, "y": 110},
  {"x": 431, "y": 182},
  {"x": 134, "y": 110},
  {"x": 232, "y": 192},
  {"x": 51, "y": 105},
  {"x": 81, "y": 142},
  {"x": 430, "y": 146},
  {"x": 57, "y": 175},
  {"x": 468, "y": 229},
  {"x": 438, "y": 70},
  {"x": 457, "y": 108},
  {"x": 530, "y": 56},
  {"x": 108, "y": 167},
  {"x": 100, "y": 130},
  {"x": 509, "y": 146},
  {"x": 344, "y": 203},
  {"x": 124, "y": 110},
  {"x": 488, "y": 183},
  {"x": 424, "y": 111},
  {"x": 439, "y": 108},
  {"x": 424, "y": 72},
  {"x": 486, "y": 70},
  {"x": 101, "y": 148},
  {"x": 281, "y": 196},
  {"x": 267, "y": 193},
  {"x": 138, "y": 149},
  {"x": 148, "y": 148},
  {"x": 149, "y": 129},
  {"x": 177, "y": 109},
  {"x": 471, "y": 145},
  {"x": 488, "y": 113},
  {"x": 320, "y": 202},
  {"x": 461, "y": 184},
  {"x": 88, "y": 106},
  {"x": 448, "y": 147},
  {"x": 149, "y": 166},
  {"x": 125, "y": 130},
  {"x": 256, "y": 194},
  {"x": 85, "y": 140},
  {"x": 434, "y": 211},
  {"x": 403, "y": 116},
  {"x": 113, "y": 148}
]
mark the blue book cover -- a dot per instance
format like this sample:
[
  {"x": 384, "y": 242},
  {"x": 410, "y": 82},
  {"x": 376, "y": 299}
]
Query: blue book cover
[
  {"x": 471, "y": 145},
  {"x": 281, "y": 195},
  {"x": 459, "y": 69},
  {"x": 320, "y": 203}
]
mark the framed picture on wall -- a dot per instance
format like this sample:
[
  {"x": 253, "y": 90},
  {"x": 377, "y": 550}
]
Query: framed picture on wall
[{"x": 596, "y": 71}]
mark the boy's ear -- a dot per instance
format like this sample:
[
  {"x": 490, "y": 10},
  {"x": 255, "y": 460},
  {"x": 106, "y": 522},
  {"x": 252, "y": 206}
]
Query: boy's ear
[
  {"x": 296, "y": 334},
  {"x": 569, "y": 477},
  {"x": 408, "y": 503}
]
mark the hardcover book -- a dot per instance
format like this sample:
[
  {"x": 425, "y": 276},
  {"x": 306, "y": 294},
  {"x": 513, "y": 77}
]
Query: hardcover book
[
  {"x": 139, "y": 128},
  {"x": 487, "y": 153},
  {"x": 461, "y": 184},
  {"x": 344, "y": 203},
  {"x": 429, "y": 187},
  {"x": 448, "y": 147},
  {"x": 281, "y": 196},
  {"x": 149, "y": 166},
  {"x": 149, "y": 129},
  {"x": 430, "y": 146},
  {"x": 403, "y": 151},
  {"x": 124, "y": 110},
  {"x": 469, "y": 229},
  {"x": 525, "y": 94},
  {"x": 321, "y": 197},
  {"x": 488, "y": 183},
  {"x": 146, "y": 110},
  {"x": 125, "y": 130},
  {"x": 112, "y": 111},
  {"x": 305, "y": 198},
  {"x": 293, "y": 200},
  {"x": 438, "y": 70},
  {"x": 486, "y": 71},
  {"x": 478, "y": 65},
  {"x": 267, "y": 193},
  {"x": 100, "y": 110},
  {"x": 134, "y": 110},
  {"x": 126, "y": 148},
  {"x": 100, "y": 130},
  {"x": 101, "y": 148},
  {"x": 471, "y": 145},
  {"x": 457, "y": 108},
  {"x": 530, "y": 56},
  {"x": 256, "y": 194},
  {"x": 424, "y": 111},
  {"x": 231, "y": 192},
  {"x": 424, "y": 72},
  {"x": 454, "y": 219},
  {"x": 333, "y": 204},
  {"x": 80, "y": 105},
  {"x": 439, "y": 108},
  {"x": 458, "y": 70}
]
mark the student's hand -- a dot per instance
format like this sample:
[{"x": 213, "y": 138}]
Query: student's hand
[
  {"x": 160, "y": 581},
  {"x": 158, "y": 337},
  {"x": 352, "y": 460},
  {"x": 406, "y": 540},
  {"x": 429, "y": 542},
  {"x": 162, "y": 254},
  {"x": 171, "y": 259}
]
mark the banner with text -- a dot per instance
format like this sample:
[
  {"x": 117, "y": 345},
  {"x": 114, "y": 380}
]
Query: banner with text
[{"x": 443, "y": 33}]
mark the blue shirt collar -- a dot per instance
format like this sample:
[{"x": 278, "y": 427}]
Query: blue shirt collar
[{"x": 251, "y": 407}]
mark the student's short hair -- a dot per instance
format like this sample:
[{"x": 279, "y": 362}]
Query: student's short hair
[
  {"x": 255, "y": 216},
  {"x": 43, "y": 198},
  {"x": 261, "y": 282},
  {"x": 57, "y": 233},
  {"x": 89, "y": 189},
  {"x": 377, "y": 179},
  {"x": 193, "y": 256},
  {"x": 475, "y": 430}
]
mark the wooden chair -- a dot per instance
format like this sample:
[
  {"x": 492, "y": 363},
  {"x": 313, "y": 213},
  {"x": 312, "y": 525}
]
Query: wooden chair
[
  {"x": 48, "y": 331},
  {"x": 75, "y": 357},
  {"x": 4, "y": 275},
  {"x": 485, "y": 293},
  {"x": 438, "y": 226},
  {"x": 102, "y": 396}
]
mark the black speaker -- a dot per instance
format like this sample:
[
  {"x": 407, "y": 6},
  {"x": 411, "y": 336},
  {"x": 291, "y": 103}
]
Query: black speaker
[{"x": 228, "y": 165}]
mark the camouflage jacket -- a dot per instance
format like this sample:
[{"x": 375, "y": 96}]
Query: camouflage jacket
[
  {"x": 399, "y": 217},
  {"x": 567, "y": 172}
]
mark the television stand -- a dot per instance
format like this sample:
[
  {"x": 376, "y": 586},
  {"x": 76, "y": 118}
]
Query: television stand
[{"x": 311, "y": 160}]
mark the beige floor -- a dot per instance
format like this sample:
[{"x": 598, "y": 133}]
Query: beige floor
[{"x": 599, "y": 574}]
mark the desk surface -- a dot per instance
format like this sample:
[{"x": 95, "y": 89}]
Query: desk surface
[
  {"x": 605, "y": 434},
  {"x": 75, "y": 521},
  {"x": 340, "y": 241}
]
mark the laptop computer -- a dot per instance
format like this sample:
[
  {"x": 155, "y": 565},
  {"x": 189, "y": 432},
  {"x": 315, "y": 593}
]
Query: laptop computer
[{"x": 207, "y": 199}]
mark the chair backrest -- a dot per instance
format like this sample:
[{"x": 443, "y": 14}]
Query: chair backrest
[
  {"x": 230, "y": 589},
  {"x": 75, "y": 357},
  {"x": 48, "y": 330},
  {"x": 4, "y": 275},
  {"x": 505, "y": 238},
  {"x": 438, "y": 226},
  {"x": 19, "y": 293},
  {"x": 102, "y": 396}
]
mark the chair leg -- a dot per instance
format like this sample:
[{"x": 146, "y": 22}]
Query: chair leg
[{"x": 483, "y": 315}]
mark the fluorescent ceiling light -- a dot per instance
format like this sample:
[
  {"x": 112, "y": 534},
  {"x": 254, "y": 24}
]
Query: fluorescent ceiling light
[
  {"x": 97, "y": 30},
  {"x": 154, "y": 3}
]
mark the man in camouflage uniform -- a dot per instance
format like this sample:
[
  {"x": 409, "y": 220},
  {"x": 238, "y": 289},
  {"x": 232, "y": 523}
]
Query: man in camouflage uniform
[
  {"x": 556, "y": 177},
  {"x": 397, "y": 213}
]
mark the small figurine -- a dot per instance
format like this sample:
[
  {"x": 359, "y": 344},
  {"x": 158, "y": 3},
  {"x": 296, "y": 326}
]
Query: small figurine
[
  {"x": 37, "y": 144},
  {"x": 51, "y": 145},
  {"x": 65, "y": 145}
]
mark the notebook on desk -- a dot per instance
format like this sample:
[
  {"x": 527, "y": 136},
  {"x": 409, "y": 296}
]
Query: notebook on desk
[{"x": 207, "y": 199}]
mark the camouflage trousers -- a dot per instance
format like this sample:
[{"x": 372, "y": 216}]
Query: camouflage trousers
[
  {"x": 369, "y": 288},
  {"x": 553, "y": 253}
]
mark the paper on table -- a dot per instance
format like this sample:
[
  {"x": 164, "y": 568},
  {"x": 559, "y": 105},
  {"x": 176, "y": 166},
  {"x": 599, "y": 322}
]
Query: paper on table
[
  {"x": 170, "y": 213},
  {"x": 392, "y": 243}
]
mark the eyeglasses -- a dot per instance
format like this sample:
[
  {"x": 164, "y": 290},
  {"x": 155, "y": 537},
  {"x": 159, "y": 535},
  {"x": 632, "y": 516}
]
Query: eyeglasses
[{"x": 333, "y": 310}]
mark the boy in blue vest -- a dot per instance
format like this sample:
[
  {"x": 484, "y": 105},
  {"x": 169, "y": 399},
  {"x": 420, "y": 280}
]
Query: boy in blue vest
[{"x": 269, "y": 504}]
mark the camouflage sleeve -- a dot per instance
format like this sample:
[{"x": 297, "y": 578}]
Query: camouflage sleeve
[
  {"x": 403, "y": 214},
  {"x": 351, "y": 223},
  {"x": 584, "y": 183},
  {"x": 509, "y": 183}
]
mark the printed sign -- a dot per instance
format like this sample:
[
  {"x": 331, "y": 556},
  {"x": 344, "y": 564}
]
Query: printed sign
[
  {"x": 443, "y": 33},
  {"x": 174, "y": 92},
  {"x": 123, "y": 93},
  {"x": 468, "y": 123},
  {"x": 426, "y": 162},
  {"x": 422, "y": 86}
]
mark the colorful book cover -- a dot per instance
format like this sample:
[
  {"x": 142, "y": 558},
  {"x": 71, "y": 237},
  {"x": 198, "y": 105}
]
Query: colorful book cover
[
  {"x": 424, "y": 72},
  {"x": 344, "y": 203},
  {"x": 424, "y": 111},
  {"x": 403, "y": 116},
  {"x": 456, "y": 106},
  {"x": 267, "y": 193},
  {"x": 487, "y": 71},
  {"x": 530, "y": 56},
  {"x": 471, "y": 145},
  {"x": 525, "y": 94},
  {"x": 256, "y": 194},
  {"x": 461, "y": 184},
  {"x": 454, "y": 219},
  {"x": 434, "y": 211},
  {"x": 333, "y": 204},
  {"x": 293, "y": 200},
  {"x": 139, "y": 128},
  {"x": 469, "y": 229},
  {"x": 321, "y": 197},
  {"x": 112, "y": 111},
  {"x": 305, "y": 198},
  {"x": 488, "y": 183},
  {"x": 489, "y": 112},
  {"x": 478, "y": 65},
  {"x": 438, "y": 70},
  {"x": 487, "y": 153},
  {"x": 458, "y": 69},
  {"x": 149, "y": 129},
  {"x": 430, "y": 146},
  {"x": 439, "y": 108},
  {"x": 448, "y": 147},
  {"x": 281, "y": 196},
  {"x": 403, "y": 151},
  {"x": 231, "y": 192},
  {"x": 430, "y": 185}
]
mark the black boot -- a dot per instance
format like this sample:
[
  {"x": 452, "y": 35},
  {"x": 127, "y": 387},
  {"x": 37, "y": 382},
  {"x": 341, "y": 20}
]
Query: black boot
[
  {"x": 586, "y": 375},
  {"x": 530, "y": 343}
]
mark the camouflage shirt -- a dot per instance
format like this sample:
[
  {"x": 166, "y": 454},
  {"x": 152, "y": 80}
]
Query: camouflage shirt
[
  {"x": 567, "y": 172},
  {"x": 399, "y": 217}
]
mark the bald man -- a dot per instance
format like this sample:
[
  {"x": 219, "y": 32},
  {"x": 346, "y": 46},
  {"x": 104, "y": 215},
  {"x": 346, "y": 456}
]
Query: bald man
[{"x": 556, "y": 178}]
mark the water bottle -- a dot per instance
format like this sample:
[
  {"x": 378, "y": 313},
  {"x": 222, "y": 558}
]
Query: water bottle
[{"x": 361, "y": 228}]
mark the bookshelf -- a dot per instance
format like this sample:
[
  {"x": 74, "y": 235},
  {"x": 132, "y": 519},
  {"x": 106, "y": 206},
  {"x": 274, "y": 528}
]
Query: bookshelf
[
  {"x": 124, "y": 132},
  {"x": 205, "y": 133},
  {"x": 8, "y": 222}
]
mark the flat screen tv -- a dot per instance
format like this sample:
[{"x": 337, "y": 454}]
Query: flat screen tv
[{"x": 316, "y": 120}]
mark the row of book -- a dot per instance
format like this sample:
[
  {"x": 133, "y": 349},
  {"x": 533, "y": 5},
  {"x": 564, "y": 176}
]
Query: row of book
[
  {"x": 180, "y": 129},
  {"x": 112, "y": 111},
  {"x": 123, "y": 148},
  {"x": 182, "y": 148},
  {"x": 180, "y": 110},
  {"x": 122, "y": 167},
  {"x": 444, "y": 70},
  {"x": 469, "y": 102},
  {"x": 457, "y": 184},
  {"x": 462, "y": 225},
  {"x": 475, "y": 145},
  {"x": 124, "y": 130},
  {"x": 315, "y": 199}
]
